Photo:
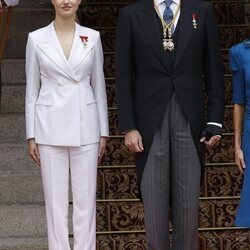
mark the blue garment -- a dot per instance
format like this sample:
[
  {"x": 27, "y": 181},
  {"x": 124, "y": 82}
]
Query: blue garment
[{"x": 240, "y": 66}]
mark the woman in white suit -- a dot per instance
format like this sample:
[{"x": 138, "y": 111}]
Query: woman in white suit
[{"x": 66, "y": 121}]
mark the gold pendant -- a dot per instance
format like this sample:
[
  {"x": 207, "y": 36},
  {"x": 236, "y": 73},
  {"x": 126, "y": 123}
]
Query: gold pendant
[{"x": 168, "y": 44}]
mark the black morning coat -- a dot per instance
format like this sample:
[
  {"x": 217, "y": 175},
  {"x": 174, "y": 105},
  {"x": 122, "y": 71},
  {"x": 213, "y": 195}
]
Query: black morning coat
[{"x": 145, "y": 81}]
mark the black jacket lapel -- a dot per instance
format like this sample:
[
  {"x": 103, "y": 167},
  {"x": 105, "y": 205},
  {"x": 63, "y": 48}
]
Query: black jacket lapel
[
  {"x": 188, "y": 8},
  {"x": 148, "y": 20}
]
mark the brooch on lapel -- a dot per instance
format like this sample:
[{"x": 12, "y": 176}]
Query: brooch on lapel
[
  {"x": 84, "y": 41},
  {"x": 194, "y": 21}
]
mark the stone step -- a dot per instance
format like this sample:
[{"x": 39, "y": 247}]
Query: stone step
[
  {"x": 23, "y": 243},
  {"x": 21, "y": 189},
  {"x": 13, "y": 72},
  {"x": 12, "y": 99},
  {"x": 22, "y": 221},
  {"x": 116, "y": 183},
  {"x": 12, "y": 128},
  {"x": 15, "y": 160},
  {"x": 29, "y": 220}
]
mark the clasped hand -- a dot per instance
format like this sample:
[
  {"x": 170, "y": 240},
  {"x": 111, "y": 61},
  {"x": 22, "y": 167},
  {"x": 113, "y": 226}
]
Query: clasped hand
[
  {"x": 212, "y": 142},
  {"x": 211, "y": 135}
]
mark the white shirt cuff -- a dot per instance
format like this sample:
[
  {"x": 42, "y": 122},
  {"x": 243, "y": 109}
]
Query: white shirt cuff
[{"x": 215, "y": 123}]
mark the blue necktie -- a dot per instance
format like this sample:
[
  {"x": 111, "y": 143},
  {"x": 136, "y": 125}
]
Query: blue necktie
[{"x": 168, "y": 13}]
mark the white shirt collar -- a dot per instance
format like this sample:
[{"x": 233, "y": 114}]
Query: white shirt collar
[{"x": 158, "y": 2}]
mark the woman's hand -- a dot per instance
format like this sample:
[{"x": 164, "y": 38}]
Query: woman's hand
[
  {"x": 239, "y": 159},
  {"x": 33, "y": 150},
  {"x": 102, "y": 146}
]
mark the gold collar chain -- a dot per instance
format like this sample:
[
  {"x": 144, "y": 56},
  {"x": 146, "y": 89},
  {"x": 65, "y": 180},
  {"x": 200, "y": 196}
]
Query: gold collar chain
[{"x": 168, "y": 42}]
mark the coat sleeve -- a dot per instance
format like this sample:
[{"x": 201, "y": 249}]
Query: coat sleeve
[
  {"x": 213, "y": 70},
  {"x": 124, "y": 73},
  {"x": 99, "y": 87},
  {"x": 32, "y": 87},
  {"x": 238, "y": 78}
]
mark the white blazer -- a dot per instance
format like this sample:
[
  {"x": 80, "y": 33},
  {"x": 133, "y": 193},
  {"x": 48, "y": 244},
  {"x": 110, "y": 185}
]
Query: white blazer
[
  {"x": 11, "y": 2},
  {"x": 66, "y": 102}
]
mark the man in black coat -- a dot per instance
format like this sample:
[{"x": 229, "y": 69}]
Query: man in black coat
[{"x": 167, "y": 56}]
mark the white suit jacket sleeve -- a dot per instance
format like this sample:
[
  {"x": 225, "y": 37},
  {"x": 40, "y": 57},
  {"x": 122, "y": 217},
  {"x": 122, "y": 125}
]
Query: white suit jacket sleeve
[
  {"x": 32, "y": 87},
  {"x": 99, "y": 88},
  {"x": 11, "y": 2}
]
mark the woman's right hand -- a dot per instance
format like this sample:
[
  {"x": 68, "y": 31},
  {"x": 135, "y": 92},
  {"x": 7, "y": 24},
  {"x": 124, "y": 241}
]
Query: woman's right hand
[
  {"x": 33, "y": 150},
  {"x": 239, "y": 159}
]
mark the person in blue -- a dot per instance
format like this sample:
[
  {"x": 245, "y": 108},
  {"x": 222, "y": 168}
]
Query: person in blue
[{"x": 240, "y": 66}]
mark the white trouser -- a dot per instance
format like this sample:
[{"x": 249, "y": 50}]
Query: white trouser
[{"x": 55, "y": 164}]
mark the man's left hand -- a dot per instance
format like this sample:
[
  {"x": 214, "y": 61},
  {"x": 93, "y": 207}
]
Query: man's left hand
[
  {"x": 211, "y": 135},
  {"x": 212, "y": 142}
]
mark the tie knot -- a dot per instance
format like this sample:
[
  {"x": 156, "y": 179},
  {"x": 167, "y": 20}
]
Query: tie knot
[{"x": 168, "y": 2}]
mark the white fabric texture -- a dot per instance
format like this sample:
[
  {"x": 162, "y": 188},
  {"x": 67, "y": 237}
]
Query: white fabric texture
[
  {"x": 66, "y": 102},
  {"x": 55, "y": 165}
]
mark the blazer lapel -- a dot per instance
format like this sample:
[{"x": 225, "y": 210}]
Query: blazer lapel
[
  {"x": 79, "y": 52},
  {"x": 53, "y": 50},
  {"x": 185, "y": 28},
  {"x": 148, "y": 21}
]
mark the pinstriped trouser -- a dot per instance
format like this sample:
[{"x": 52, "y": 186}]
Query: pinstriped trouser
[{"x": 172, "y": 171}]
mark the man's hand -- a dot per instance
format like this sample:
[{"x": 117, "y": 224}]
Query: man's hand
[
  {"x": 212, "y": 142},
  {"x": 133, "y": 141},
  {"x": 211, "y": 135},
  {"x": 239, "y": 160},
  {"x": 33, "y": 151},
  {"x": 102, "y": 146}
]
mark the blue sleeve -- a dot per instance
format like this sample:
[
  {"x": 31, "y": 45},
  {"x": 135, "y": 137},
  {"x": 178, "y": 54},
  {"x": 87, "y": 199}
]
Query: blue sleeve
[{"x": 238, "y": 79}]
